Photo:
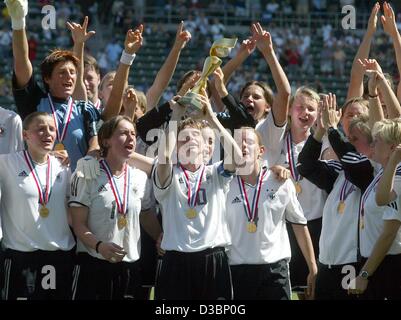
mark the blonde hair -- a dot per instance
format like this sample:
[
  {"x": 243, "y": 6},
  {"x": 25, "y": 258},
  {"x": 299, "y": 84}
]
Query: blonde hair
[
  {"x": 305, "y": 91},
  {"x": 107, "y": 77},
  {"x": 143, "y": 105},
  {"x": 388, "y": 130},
  {"x": 361, "y": 123},
  {"x": 360, "y": 100}
]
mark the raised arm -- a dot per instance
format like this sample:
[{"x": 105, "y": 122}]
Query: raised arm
[
  {"x": 167, "y": 144},
  {"x": 80, "y": 36},
  {"x": 233, "y": 152},
  {"x": 385, "y": 189},
  {"x": 281, "y": 100},
  {"x": 390, "y": 27},
  {"x": 355, "y": 88},
  {"x": 17, "y": 10},
  {"x": 166, "y": 72},
  {"x": 133, "y": 42}
]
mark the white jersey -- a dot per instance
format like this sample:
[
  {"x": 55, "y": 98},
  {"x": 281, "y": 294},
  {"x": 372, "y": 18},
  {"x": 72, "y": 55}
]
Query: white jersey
[
  {"x": 338, "y": 242},
  {"x": 24, "y": 229},
  {"x": 272, "y": 136},
  {"x": 311, "y": 198},
  {"x": 209, "y": 228},
  {"x": 373, "y": 217},
  {"x": 10, "y": 136},
  {"x": 98, "y": 196},
  {"x": 277, "y": 204},
  {"x": 10, "y": 132}
]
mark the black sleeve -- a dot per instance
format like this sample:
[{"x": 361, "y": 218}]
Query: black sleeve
[
  {"x": 239, "y": 117},
  {"x": 320, "y": 173},
  {"x": 153, "y": 119},
  {"x": 358, "y": 169},
  {"x": 338, "y": 143},
  {"x": 27, "y": 98}
]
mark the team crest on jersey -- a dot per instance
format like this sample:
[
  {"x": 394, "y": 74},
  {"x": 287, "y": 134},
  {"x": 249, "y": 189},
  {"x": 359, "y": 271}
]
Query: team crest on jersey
[
  {"x": 271, "y": 194},
  {"x": 58, "y": 178},
  {"x": 22, "y": 174},
  {"x": 208, "y": 177},
  {"x": 2, "y": 131},
  {"x": 181, "y": 180}
]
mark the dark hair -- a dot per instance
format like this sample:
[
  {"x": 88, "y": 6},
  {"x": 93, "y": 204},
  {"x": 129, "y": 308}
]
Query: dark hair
[
  {"x": 107, "y": 130},
  {"x": 91, "y": 62},
  {"x": 48, "y": 64},
  {"x": 190, "y": 123},
  {"x": 31, "y": 117},
  {"x": 267, "y": 91}
]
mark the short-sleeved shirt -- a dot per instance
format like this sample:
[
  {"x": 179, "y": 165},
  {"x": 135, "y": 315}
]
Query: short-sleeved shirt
[
  {"x": 97, "y": 195},
  {"x": 374, "y": 217},
  {"x": 278, "y": 203},
  {"x": 23, "y": 227},
  {"x": 83, "y": 121},
  {"x": 209, "y": 228}
]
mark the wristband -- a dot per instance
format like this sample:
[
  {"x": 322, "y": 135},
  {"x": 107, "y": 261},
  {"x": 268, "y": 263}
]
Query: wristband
[
  {"x": 97, "y": 246},
  {"x": 18, "y": 24},
  {"x": 127, "y": 58}
]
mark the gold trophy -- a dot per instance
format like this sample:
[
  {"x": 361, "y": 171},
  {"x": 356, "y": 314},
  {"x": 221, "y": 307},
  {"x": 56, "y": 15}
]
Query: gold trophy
[{"x": 220, "y": 49}]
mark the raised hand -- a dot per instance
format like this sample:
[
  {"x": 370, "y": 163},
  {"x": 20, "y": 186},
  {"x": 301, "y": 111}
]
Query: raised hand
[
  {"x": 133, "y": 40},
  {"x": 262, "y": 38},
  {"x": 280, "y": 173},
  {"x": 219, "y": 83},
  {"x": 330, "y": 116},
  {"x": 396, "y": 154},
  {"x": 374, "y": 72},
  {"x": 372, "y": 23},
  {"x": 388, "y": 20},
  {"x": 130, "y": 102},
  {"x": 17, "y": 9},
  {"x": 182, "y": 36},
  {"x": 247, "y": 47},
  {"x": 78, "y": 32},
  {"x": 189, "y": 84}
]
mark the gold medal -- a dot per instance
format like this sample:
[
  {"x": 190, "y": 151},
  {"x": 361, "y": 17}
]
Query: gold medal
[
  {"x": 341, "y": 207},
  {"x": 251, "y": 227},
  {"x": 191, "y": 213},
  {"x": 298, "y": 188},
  {"x": 121, "y": 222},
  {"x": 59, "y": 147},
  {"x": 362, "y": 224},
  {"x": 43, "y": 212}
]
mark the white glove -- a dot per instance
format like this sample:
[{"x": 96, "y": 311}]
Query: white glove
[
  {"x": 17, "y": 9},
  {"x": 88, "y": 167}
]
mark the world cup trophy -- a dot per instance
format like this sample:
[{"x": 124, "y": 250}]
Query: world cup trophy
[{"x": 220, "y": 49}]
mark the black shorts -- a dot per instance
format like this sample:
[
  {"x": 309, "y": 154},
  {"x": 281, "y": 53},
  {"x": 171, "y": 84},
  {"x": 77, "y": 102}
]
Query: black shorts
[
  {"x": 193, "y": 276},
  {"x": 97, "y": 279},
  {"x": 298, "y": 266},
  {"x": 261, "y": 282},
  {"x": 37, "y": 275},
  {"x": 385, "y": 283},
  {"x": 331, "y": 282}
]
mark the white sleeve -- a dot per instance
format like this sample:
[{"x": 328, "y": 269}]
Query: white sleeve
[
  {"x": 148, "y": 199},
  {"x": 224, "y": 177},
  {"x": 293, "y": 211},
  {"x": 79, "y": 192},
  {"x": 397, "y": 183},
  {"x": 16, "y": 143},
  {"x": 271, "y": 134}
]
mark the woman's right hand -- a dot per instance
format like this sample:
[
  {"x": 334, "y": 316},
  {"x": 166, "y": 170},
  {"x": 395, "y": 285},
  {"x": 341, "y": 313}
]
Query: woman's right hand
[{"x": 111, "y": 252}]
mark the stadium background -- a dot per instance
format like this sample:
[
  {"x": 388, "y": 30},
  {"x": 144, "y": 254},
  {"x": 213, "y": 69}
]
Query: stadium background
[{"x": 308, "y": 37}]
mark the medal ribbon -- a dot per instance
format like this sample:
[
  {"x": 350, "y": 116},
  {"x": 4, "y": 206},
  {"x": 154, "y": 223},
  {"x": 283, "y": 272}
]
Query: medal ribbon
[
  {"x": 44, "y": 193},
  {"x": 193, "y": 192},
  {"x": 66, "y": 120},
  {"x": 122, "y": 206},
  {"x": 344, "y": 192},
  {"x": 251, "y": 214},
  {"x": 367, "y": 192},
  {"x": 291, "y": 159}
]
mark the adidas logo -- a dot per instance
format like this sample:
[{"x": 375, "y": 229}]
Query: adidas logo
[
  {"x": 22, "y": 174},
  {"x": 102, "y": 188},
  {"x": 181, "y": 180},
  {"x": 236, "y": 200}
]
